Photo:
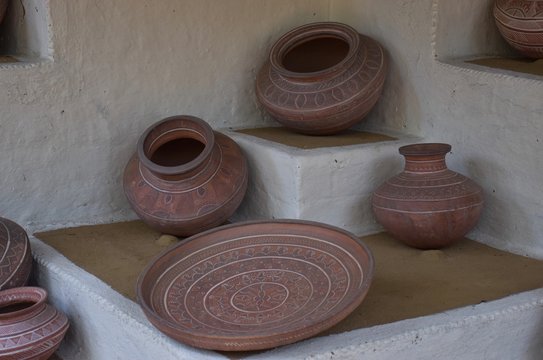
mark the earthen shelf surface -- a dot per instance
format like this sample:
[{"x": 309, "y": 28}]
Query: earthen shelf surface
[
  {"x": 522, "y": 65},
  {"x": 408, "y": 283},
  {"x": 288, "y": 137}
]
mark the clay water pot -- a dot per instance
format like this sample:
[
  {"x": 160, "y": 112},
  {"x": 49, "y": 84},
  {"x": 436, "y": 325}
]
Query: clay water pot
[
  {"x": 15, "y": 255},
  {"x": 521, "y": 24},
  {"x": 322, "y": 78},
  {"x": 428, "y": 206},
  {"x": 185, "y": 177},
  {"x": 29, "y": 327}
]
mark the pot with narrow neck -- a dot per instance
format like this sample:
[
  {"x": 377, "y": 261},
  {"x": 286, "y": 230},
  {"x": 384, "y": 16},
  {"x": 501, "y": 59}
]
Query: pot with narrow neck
[
  {"x": 185, "y": 177},
  {"x": 29, "y": 327},
  {"x": 428, "y": 206}
]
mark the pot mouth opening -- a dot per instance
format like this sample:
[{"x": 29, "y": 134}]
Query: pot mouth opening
[
  {"x": 176, "y": 145},
  {"x": 316, "y": 49},
  {"x": 425, "y": 149},
  {"x": 19, "y": 301},
  {"x": 315, "y": 55}
]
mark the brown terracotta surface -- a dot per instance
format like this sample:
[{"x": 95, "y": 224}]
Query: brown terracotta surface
[
  {"x": 256, "y": 285},
  {"x": 29, "y": 327},
  {"x": 286, "y": 137},
  {"x": 521, "y": 24},
  {"x": 322, "y": 78},
  {"x": 3, "y": 8},
  {"x": 15, "y": 255},
  {"x": 427, "y": 205},
  {"x": 185, "y": 178},
  {"x": 528, "y": 66},
  {"x": 407, "y": 283}
]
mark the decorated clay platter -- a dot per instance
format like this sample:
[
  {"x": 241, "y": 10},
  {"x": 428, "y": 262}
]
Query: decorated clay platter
[{"x": 256, "y": 285}]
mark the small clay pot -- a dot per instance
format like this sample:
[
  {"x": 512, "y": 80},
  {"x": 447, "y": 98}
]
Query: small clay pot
[
  {"x": 322, "y": 78},
  {"x": 428, "y": 206},
  {"x": 185, "y": 178},
  {"x": 15, "y": 255},
  {"x": 521, "y": 24},
  {"x": 29, "y": 327}
]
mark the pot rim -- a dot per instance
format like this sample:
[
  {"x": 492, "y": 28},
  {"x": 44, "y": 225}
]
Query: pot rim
[
  {"x": 498, "y": 6},
  {"x": 425, "y": 149},
  {"x": 312, "y": 31},
  {"x": 29, "y": 294},
  {"x": 200, "y": 127}
]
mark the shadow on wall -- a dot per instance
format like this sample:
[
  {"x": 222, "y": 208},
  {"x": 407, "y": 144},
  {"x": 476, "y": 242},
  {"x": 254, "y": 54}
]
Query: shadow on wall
[{"x": 501, "y": 221}]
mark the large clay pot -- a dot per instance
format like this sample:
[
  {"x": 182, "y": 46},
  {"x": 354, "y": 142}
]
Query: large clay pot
[
  {"x": 428, "y": 206},
  {"x": 29, "y": 327},
  {"x": 15, "y": 255},
  {"x": 521, "y": 24},
  {"x": 185, "y": 177},
  {"x": 3, "y": 8},
  {"x": 322, "y": 78}
]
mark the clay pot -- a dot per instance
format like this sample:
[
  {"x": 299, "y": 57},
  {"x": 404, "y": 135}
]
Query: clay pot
[
  {"x": 15, "y": 255},
  {"x": 322, "y": 78},
  {"x": 185, "y": 177},
  {"x": 521, "y": 24},
  {"x": 428, "y": 206},
  {"x": 29, "y": 327}
]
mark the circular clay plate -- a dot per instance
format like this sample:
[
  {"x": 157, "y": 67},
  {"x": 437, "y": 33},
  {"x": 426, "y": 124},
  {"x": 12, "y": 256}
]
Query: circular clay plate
[{"x": 256, "y": 285}]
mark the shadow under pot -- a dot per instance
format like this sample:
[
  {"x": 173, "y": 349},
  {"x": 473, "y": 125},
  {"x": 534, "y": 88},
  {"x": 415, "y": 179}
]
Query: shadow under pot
[
  {"x": 29, "y": 327},
  {"x": 185, "y": 178},
  {"x": 322, "y": 78},
  {"x": 428, "y": 206}
]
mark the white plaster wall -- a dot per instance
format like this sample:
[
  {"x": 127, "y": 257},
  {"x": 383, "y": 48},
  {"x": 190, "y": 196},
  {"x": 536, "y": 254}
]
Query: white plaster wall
[
  {"x": 491, "y": 118},
  {"x": 68, "y": 127}
]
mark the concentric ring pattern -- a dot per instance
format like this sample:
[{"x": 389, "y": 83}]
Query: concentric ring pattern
[{"x": 257, "y": 285}]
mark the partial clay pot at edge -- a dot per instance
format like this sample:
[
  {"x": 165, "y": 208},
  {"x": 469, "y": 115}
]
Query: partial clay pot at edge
[
  {"x": 3, "y": 8},
  {"x": 428, "y": 206},
  {"x": 521, "y": 24},
  {"x": 185, "y": 177},
  {"x": 322, "y": 78},
  {"x": 29, "y": 327},
  {"x": 15, "y": 255}
]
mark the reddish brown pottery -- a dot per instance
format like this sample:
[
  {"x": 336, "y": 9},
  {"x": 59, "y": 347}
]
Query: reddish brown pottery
[
  {"x": 185, "y": 177},
  {"x": 256, "y": 285},
  {"x": 322, "y": 78},
  {"x": 428, "y": 206},
  {"x": 15, "y": 255},
  {"x": 29, "y": 327},
  {"x": 521, "y": 24}
]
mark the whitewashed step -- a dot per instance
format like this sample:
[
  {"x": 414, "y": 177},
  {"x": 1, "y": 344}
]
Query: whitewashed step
[
  {"x": 332, "y": 185},
  {"x": 107, "y": 326}
]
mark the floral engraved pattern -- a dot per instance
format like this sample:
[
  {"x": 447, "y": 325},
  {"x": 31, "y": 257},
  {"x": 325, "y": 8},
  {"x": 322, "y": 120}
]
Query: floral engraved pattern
[{"x": 254, "y": 284}]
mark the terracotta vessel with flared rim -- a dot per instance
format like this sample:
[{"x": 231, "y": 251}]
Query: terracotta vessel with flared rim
[
  {"x": 15, "y": 255},
  {"x": 29, "y": 327},
  {"x": 428, "y": 206},
  {"x": 185, "y": 177},
  {"x": 322, "y": 78},
  {"x": 521, "y": 24},
  {"x": 256, "y": 285}
]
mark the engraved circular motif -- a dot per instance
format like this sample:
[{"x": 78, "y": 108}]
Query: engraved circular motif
[{"x": 256, "y": 285}]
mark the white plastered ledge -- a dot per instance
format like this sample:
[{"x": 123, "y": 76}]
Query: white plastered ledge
[
  {"x": 105, "y": 325},
  {"x": 332, "y": 185}
]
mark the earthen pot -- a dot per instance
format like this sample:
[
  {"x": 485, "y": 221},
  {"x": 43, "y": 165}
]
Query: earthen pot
[
  {"x": 521, "y": 24},
  {"x": 29, "y": 327},
  {"x": 15, "y": 255},
  {"x": 428, "y": 206},
  {"x": 185, "y": 177},
  {"x": 322, "y": 78}
]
